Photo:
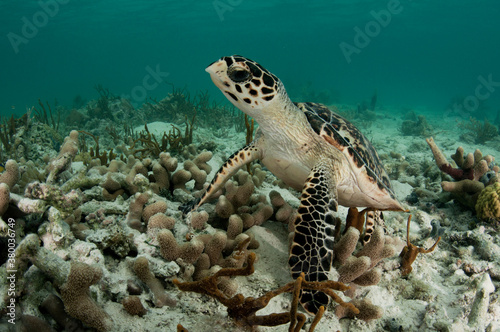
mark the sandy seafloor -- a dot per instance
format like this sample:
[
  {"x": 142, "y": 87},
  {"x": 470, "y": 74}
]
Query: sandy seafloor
[{"x": 436, "y": 296}]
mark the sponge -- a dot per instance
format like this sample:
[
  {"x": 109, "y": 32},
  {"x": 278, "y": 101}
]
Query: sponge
[{"x": 488, "y": 203}]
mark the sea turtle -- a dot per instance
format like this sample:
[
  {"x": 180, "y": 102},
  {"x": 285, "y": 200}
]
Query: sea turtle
[{"x": 310, "y": 148}]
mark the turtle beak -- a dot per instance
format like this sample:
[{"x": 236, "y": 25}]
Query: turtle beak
[{"x": 218, "y": 73}]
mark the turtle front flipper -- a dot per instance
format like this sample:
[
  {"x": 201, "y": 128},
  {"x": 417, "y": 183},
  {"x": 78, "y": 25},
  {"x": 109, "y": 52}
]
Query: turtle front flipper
[
  {"x": 238, "y": 159},
  {"x": 311, "y": 250}
]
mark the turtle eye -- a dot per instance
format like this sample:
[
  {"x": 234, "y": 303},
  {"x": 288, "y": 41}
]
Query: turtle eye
[{"x": 238, "y": 75}]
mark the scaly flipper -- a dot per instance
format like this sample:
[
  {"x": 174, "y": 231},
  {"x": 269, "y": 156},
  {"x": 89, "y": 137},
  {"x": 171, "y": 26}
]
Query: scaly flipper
[
  {"x": 237, "y": 160},
  {"x": 311, "y": 251}
]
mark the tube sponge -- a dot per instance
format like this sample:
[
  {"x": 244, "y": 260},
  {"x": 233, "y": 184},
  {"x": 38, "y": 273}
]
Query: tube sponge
[
  {"x": 488, "y": 203},
  {"x": 77, "y": 300}
]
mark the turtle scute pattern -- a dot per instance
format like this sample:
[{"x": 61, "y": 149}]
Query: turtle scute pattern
[
  {"x": 312, "y": 245},
  {"x": 344, "y": 135}
]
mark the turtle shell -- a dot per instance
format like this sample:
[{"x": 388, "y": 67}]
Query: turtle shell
[{"x": 344, "y": 136}]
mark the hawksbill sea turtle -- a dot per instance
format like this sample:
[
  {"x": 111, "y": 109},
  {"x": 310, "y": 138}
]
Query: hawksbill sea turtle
[{"x": 311, "y": 149}]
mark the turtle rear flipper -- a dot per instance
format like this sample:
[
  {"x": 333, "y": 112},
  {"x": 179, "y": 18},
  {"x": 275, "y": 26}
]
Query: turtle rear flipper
[
  {"x": 237, "y": 160},
  {"x": 311, "y": 251}
]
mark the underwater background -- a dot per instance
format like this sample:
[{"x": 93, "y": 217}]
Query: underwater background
[
  {"x": 423, "y": 55},
  {"x": 110, "y": 130}
]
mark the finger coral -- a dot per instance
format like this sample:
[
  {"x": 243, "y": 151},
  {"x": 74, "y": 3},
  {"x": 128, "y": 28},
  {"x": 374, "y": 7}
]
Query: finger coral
[
  {"x": 132, "y": 305},
  {"x": 77, "y": 300},
  {"x": 4, "y": 198},
  {"x": 141, "y": 269},
  {"x": 171, "y": 250},
  {"x": 73, "y": 279},
  {"x": 62, "y": 162},
  {"x": 136, "y": 209},
  {"x": 10, "y": 175}
]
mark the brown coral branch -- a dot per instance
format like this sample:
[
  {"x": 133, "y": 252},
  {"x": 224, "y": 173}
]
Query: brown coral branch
[
  {"x": 243, "y": 310},
  {"x": 410, "y": 251}
]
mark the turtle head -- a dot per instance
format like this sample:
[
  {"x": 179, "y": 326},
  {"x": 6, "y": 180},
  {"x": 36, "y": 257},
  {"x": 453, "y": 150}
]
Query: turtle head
[{"x": 248, "y": 85}]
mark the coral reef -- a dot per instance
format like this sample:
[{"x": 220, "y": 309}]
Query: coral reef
[{"x": 109, "y": 239}]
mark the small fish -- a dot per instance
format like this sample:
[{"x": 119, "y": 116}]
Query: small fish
[{"x": 2, "y": 167}]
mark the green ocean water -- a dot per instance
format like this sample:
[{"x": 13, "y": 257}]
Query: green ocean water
[{"x": 415, "y": 54}]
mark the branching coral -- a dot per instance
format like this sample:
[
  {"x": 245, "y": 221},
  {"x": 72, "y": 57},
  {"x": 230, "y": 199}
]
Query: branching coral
[
  {"x": 473, "y": 173},
  {"x": 358, "y": 268},
  {"x": 410, "y": 251},
  {"x": 244, "y": 310}
]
